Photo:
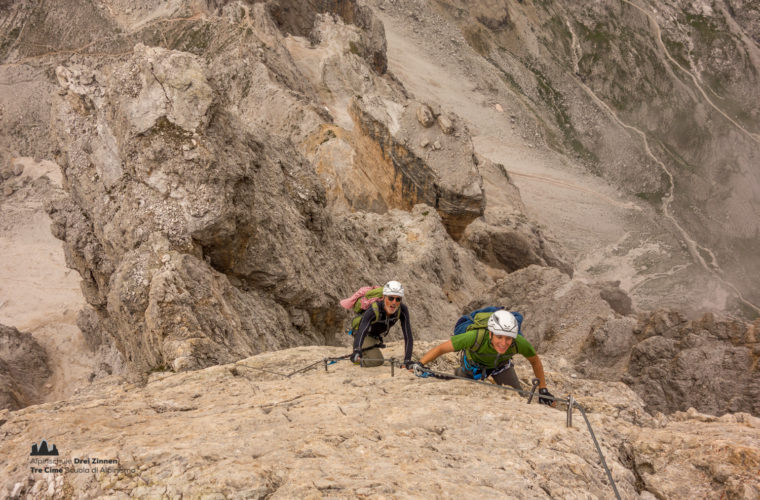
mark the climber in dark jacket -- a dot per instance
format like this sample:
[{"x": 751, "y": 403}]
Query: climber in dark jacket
[{"x": 375, "y": 324}]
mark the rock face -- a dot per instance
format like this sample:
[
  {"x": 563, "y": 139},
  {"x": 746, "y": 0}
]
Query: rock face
[
  {"x": 198, "y": 236},
  {"x": 23, "y": 369},
  {"x": 673, "y": 364},
  {"x": 444, "y": 177},
  {"x": 211, "y": 173},
  {"x": 202, "y": 248},
  {"x": 158, "y": 214},
  {"x": 709, "y": 363},
  {"x": 238, "y": 430}
]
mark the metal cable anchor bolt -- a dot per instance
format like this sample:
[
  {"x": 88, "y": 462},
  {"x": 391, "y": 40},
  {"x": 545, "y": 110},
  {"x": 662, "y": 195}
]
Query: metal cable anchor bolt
[
  {"x": 533, "y": 389},
  {"x": 570, "y": 404}
]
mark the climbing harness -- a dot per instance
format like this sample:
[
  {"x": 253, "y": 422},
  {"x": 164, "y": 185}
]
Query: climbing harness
[{"x": 477, "y": 372}]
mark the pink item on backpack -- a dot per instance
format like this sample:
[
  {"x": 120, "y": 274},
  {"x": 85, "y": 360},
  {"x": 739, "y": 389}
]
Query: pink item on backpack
[{"x": 349, "y": 302}]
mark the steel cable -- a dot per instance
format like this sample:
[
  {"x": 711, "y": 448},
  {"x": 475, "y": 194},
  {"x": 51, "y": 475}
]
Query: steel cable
[
  {"x": 419, "y": 371},
  {"x": 599, "y": 450}
]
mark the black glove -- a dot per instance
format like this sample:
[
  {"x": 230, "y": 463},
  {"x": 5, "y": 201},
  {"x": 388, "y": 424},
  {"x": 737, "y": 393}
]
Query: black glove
[
  {"x": 355, "y": 357},
  {"x": 545, "y": 401}
]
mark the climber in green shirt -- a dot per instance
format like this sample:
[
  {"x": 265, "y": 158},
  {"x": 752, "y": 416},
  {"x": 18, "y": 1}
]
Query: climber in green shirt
[{"x": 489, "y": 352}]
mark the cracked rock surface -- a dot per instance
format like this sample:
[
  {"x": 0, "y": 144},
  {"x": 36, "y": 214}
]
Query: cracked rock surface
[{"x": 241, "y": 431}]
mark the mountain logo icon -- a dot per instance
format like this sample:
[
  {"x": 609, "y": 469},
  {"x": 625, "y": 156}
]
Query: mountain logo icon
[{"x": 43, "y": 450}]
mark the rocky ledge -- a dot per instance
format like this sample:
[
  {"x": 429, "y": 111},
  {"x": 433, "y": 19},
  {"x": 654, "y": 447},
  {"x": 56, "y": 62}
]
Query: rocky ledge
[{"x": 242, "y": 431}]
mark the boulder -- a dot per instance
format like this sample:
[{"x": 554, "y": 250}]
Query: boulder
[
  {"x": 425, "y": 116},
  {"x": 618, "y": 300},
  {"x": 607, "y": 349},
  {"x": 446, "y": 124},
  {"x": 23, "y": 369}
]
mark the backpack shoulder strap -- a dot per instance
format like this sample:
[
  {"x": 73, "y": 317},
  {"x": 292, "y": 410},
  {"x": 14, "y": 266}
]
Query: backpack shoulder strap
[
  {"x": 376, "y": 310},
  {"x": 479, "y": 340}
]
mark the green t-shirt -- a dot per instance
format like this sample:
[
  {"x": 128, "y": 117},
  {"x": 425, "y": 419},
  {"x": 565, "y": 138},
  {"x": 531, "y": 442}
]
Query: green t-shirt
[{"x": 487, "y": 356}]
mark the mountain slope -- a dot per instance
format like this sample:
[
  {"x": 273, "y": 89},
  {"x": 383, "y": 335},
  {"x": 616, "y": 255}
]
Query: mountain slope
[{"x": 659, "y": 99}]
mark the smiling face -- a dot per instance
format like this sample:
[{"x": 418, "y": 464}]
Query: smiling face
[
  {"x": 501, "y": 343},
  {"x": 391, "y": 303}
]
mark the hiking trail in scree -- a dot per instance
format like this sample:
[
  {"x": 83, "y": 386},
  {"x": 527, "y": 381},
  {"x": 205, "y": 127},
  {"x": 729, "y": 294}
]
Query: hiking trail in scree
[
  {"x": 694, "y": 248},
  {"x": 694, "y": 77}
]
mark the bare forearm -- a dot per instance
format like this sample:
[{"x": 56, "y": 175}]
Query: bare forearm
[
  {"x": 437, "y": 351},
  {"x": 431, "y": 355},
  {"x": 538, "y": 371}
]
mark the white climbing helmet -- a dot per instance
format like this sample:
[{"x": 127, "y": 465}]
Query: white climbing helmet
[
  {"x": 503, "y": 323},
  {"x": 393, "y": 288}
]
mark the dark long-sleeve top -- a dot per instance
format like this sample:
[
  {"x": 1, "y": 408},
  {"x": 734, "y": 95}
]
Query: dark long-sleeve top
[{"x": 381, "y": 327}]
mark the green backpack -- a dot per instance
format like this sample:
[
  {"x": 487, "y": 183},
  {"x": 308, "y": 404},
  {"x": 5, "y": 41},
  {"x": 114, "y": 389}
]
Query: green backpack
[
  {"x": 480, "y": 323},
  {"x": 375, "y": 293}
]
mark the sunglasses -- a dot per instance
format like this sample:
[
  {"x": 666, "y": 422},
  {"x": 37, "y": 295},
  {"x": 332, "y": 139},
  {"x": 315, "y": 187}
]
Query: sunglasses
[{"x": 392, "y": 298}]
